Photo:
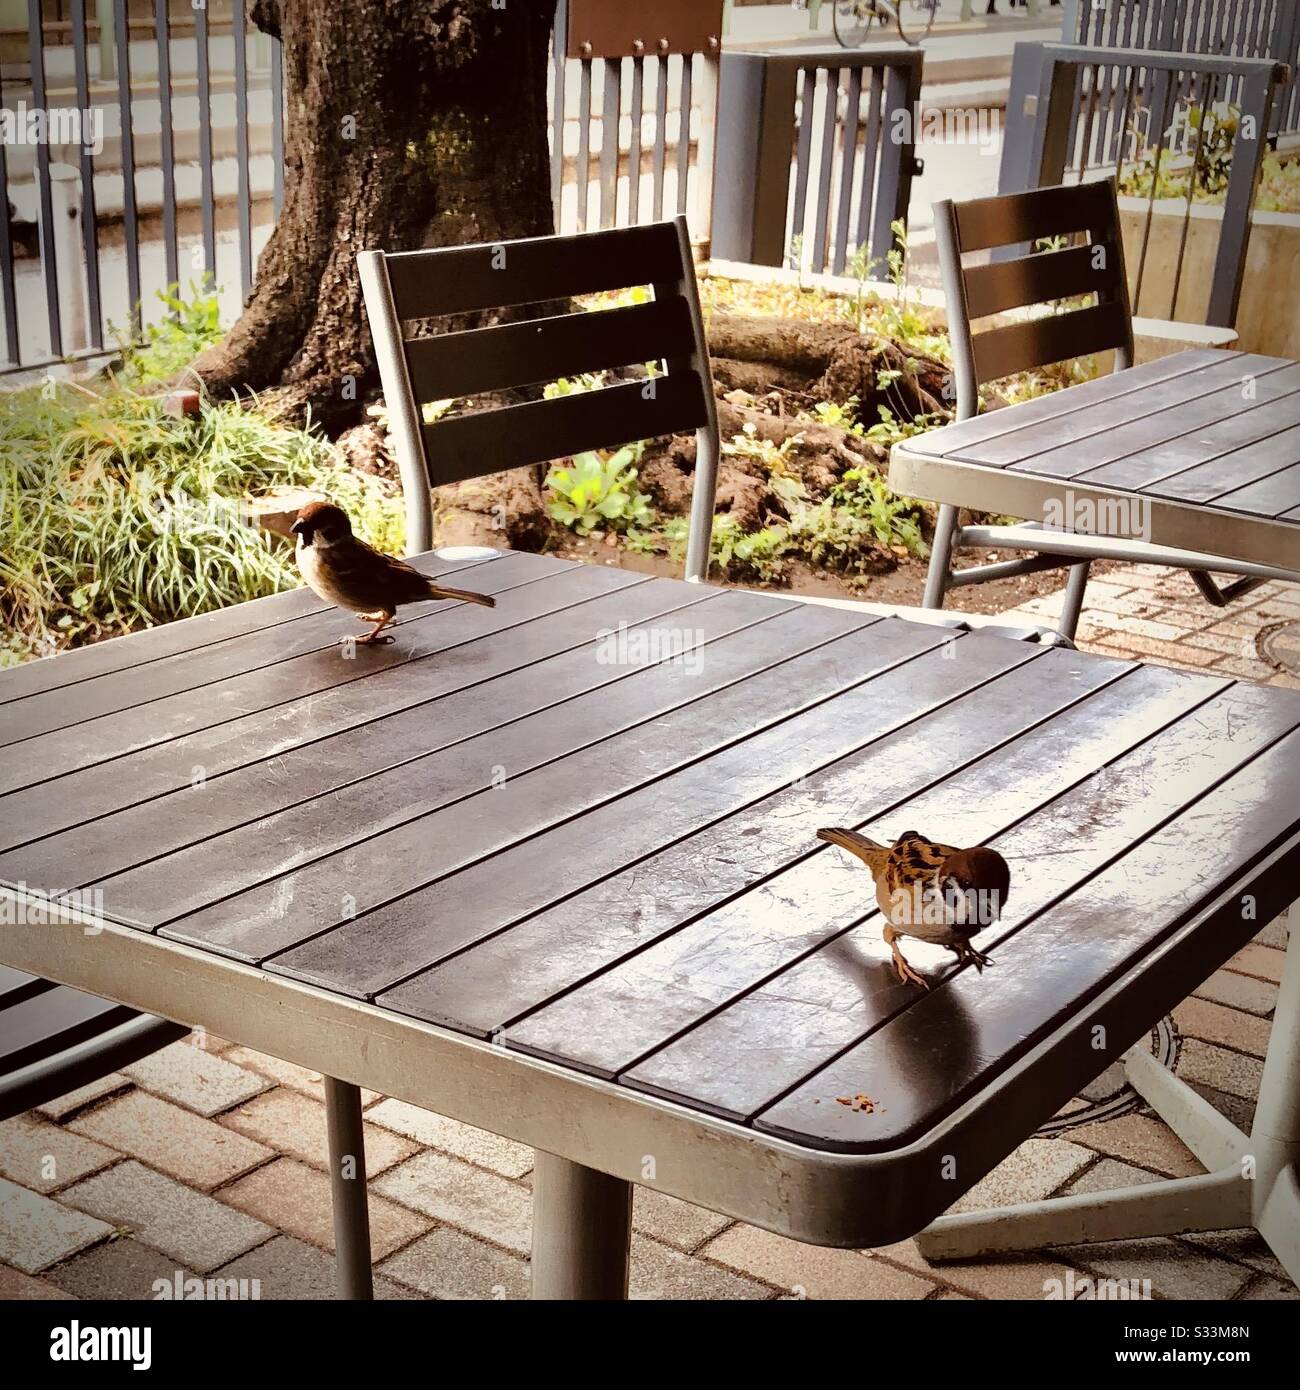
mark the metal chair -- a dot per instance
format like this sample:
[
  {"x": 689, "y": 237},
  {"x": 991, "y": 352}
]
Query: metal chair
[
  {"x": 1094, "y": 266},
  {"x": 54, "y": 1038},
  {"x": 455, "y": 280},
  {"x": 473, "y": 279}
]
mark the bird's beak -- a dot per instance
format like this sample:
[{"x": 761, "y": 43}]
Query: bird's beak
[{"x": 297, "y": 527}]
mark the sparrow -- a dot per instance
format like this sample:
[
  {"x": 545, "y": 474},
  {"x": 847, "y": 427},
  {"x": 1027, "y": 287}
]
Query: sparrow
[
  {"x": 352, "y": 575},
  {"x": 933, "y": 892}
]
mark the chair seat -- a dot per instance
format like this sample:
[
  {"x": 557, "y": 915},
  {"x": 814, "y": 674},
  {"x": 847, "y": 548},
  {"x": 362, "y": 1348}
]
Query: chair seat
[{"x": 54, "y": 1039}]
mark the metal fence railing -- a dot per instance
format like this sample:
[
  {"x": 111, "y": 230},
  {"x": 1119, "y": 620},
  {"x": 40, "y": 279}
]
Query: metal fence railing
[
  {"x": 1183, "y": 133},
  {"x": 160, "y": 164},
  {"x": 1228, "y": 28},
  {"x": 815, "y": 155},
  {"x": 185, "y": 174},
  {"x": 631, "y": 135}
]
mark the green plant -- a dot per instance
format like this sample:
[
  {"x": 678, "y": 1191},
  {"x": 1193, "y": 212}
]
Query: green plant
[
  {"x": 842, "y": 417},
  {"x": 858, "y": 517},
  {"x": 115, "y": 515},
  {"x": 598, "y": 491},
  {"x": 191, "y": 324},
  {"x": 749, "y": 444}
]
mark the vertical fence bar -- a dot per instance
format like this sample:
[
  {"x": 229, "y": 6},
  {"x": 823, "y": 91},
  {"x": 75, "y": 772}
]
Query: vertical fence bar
[
  {"x": 1243, "y": 180},
  {"x": 49, "y": 258},
  {"x": 685, "y": 97},
  {"x": 870, "y": 159},
  {"x": 848, "y": 160},
  {"x": 8, "y": 294},
  {"x": 130, "y": 222},
  {"x": 559, "y": 47},
  {"x": 661, "y": 135},
  {"x": 86, "y": 162},
  {"x": 584, "y": 142},
  {"x": 205, "y": 145},
  {"x": 610, "y": 118},
  {"x": 245, "y": 212},
  {"x": 706, "y": 163},
  {"x": 802, "y": 157},
  {"x": 825, "y": 167},
  {"x": 1207, "y": 100},
  {"x": 277, "y": 125},
  {"x": 634, "y": 142},
  {"x": 162, "y": 37},
  {"x": 897, "y": 157}
]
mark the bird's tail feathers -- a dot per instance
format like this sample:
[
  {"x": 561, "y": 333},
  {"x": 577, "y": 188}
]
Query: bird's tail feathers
[
  {"x": 465, "y": 596},
  {"x": 851, "y": 840}
]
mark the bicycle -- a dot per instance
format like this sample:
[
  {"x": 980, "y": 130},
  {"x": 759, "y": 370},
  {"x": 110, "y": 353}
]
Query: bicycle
[{"x": 851, "y": 19}]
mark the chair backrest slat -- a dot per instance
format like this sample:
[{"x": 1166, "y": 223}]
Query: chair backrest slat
[
  {"x": 1020, "y": 281},
  {"x": 1003, "y": 285},
  {"x": 1020, "y": 347},
  {"x": 468, "y": 446},
  {"x": 466, "y": 279},
  {"x": 1006, "y": 218},
  {"x": 522, "y": 354}
]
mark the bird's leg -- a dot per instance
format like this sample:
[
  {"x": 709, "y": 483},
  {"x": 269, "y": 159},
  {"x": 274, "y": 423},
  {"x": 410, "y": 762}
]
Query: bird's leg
[
  {"x": 905, "y": 972},
  {"x": 372, "y": 638},
  {"x": 967, "y": 952}
]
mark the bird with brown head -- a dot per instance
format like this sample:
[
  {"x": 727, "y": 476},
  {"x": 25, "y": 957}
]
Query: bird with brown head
[
  {"x": 930, "y": 891},
  {"x": 354, "y": 576}
]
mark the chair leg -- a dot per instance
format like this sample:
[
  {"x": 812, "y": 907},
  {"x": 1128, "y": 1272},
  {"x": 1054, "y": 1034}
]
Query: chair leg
[
  {"x": 1073, "y": 606},
  {"x": 582, "y": 1231},
  {"x": 347, "y": 1152},
  {"x": 937, "y": 576}
]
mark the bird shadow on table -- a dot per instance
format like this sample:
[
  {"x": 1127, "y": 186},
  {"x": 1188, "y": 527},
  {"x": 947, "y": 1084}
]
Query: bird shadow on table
[{"x": 949, "y": 1020}]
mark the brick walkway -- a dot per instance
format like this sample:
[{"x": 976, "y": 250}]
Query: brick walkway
[{"x": 209, "y": 1160}]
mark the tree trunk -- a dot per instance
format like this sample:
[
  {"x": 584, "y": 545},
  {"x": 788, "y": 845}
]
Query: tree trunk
[{"x": 408, "y": 125}]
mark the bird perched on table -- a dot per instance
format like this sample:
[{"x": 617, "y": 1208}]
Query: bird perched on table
[
  {"x": 350, "y": 574},
  {"x": 933, "y": 892}
]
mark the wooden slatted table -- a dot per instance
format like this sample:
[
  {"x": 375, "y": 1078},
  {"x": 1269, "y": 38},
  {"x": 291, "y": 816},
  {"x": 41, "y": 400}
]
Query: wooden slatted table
[
  {"x": 550, "y": 869},
  {"x": 1198, "y": 451}
]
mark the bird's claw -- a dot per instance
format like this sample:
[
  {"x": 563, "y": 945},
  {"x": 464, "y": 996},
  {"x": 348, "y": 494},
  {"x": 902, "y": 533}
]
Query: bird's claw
[{"x": 371, "y": 639}]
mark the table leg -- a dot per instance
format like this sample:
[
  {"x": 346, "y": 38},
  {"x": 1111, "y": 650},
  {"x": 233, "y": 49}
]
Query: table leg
[
  {"x": 582, "y": 1231},
  {"x": 1255, "y": 1182},
  {"x": 347, "y": 1148}
]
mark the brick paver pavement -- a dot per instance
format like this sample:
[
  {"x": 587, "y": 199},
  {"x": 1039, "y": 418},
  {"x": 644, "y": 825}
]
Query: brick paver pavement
[{"x": 207, "y": 1160}]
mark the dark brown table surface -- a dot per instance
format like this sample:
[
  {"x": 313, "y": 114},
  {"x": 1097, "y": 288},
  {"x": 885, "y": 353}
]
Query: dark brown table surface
[
  {"x": 1207, "y": 440},
  {"x": 491, "y": 826}
]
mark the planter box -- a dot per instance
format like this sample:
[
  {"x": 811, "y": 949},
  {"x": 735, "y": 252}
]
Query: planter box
[{"x": 1267, "y": 320}]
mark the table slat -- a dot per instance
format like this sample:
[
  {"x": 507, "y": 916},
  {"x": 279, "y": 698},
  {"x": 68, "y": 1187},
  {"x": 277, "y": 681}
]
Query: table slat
[
  {"x": 261, "y": 645},
  {"x": 1226, "y": 472},
  {"x": 968, "y": 434},
  {"x": 445, "y": 916}
]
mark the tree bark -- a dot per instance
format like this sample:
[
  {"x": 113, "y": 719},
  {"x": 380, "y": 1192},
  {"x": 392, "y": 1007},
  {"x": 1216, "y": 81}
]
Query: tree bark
[{"x": 409, "y": 124}]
